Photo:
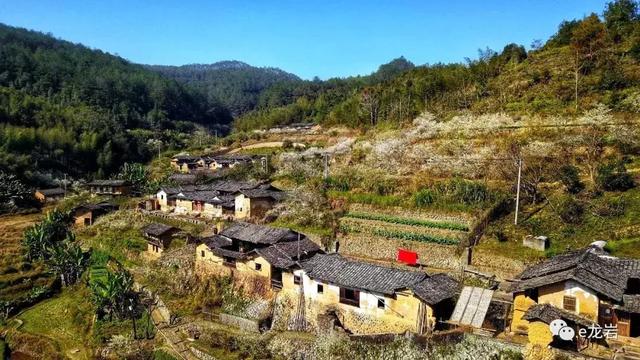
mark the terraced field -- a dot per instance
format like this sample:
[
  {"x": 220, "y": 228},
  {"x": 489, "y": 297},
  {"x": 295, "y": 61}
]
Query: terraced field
[
  {"x": 378, "y": 233},
  {"x": 19, "y": 278}
]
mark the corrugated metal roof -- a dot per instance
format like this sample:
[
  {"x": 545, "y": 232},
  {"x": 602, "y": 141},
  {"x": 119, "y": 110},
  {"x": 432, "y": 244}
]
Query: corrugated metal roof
[{"x": 472, "y": 306}]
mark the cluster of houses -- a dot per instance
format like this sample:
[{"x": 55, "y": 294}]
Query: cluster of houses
[
  {"x": 223, "y": 199},
  {"x": 189, "y": 164},
  {"x": 364, "y": 297},
  {"x": 586, "y": 289}
]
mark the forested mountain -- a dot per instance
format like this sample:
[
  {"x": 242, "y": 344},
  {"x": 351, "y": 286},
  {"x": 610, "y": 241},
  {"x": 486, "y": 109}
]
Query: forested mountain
[
  {"x": 67, "y": 108},
  {"x": 234, "y": 84},
  {"x": 588, "y": 61}
]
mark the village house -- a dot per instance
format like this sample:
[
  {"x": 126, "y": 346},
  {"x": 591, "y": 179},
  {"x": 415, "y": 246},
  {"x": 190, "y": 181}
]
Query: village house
[
  {"x": 208, "y": 203},
  {"x": 188, "y": 164},
  {"x": 254, "y": 203},
  {"x": 367, "y": 299},
  {"x": 49, "y": 195},
  {"x": 582, "y": 287},
  {"x": 229, "y": 161},
  {"x": 86, "y": 215},
  {"x": 223, "y": 199},
  {"x": 184, "y": 163},
  {"x": 159, "y": 237},
  {"x": 249, "y": 250},
  {"x": 109, "y": 187},
  {"x": 364, "y": 298}
]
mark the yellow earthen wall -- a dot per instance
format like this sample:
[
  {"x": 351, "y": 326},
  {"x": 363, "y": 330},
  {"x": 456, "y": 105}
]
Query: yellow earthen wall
[
  {"x": 539, "y": 333},
  {"x": 586, "y": 300},
  {"x": 400, "y": 314}
]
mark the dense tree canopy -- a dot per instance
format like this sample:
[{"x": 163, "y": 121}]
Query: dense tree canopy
[
  {"x": 67, "y": 108},
  {"x": 234, "y": 84},
  {"x": 588, "y": 61}
]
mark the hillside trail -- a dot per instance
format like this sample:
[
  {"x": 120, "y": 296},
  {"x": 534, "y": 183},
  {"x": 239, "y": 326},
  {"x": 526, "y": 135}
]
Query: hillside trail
[{"x": 268, "y": 144}]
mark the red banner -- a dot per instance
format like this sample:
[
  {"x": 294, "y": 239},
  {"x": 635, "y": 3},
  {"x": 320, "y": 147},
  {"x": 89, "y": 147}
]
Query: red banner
[{"x": 407, "y": 257}]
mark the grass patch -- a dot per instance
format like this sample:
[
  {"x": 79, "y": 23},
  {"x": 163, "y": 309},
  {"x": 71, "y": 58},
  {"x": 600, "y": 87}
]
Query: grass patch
[
  {"x": 370, "y": 199},
  {"x": 408, "y": 221},
  {"x": 619, "y": 228},
  {"x": 64, "y": 319},
  {"x": 315, "y": 230}
]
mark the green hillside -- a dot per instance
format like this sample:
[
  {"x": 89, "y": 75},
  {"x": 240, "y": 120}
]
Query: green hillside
[
  {"x": 588, "y": 61},
  {"x": 67, "y": 108},
  {"x": 236, "y": 85}
]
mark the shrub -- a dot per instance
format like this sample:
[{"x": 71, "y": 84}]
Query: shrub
[
  {"x": 338, "y": 183},
  {"x": 611, "y": 207},
  {"x": 613, "y": 176},
  {"x": 424, "y": 197},
  {"x": 570, "y": 178},
  {"x": 570, "y": 210},
  {"x": 466, "y": 192}
]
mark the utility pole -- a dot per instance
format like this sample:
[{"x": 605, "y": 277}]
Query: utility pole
[
  {"x": 518, "y": 190},
  {"x": 326, "y": 165},
  {"x": 133, "y": 318},
  {"x": 65, "y": 184}
]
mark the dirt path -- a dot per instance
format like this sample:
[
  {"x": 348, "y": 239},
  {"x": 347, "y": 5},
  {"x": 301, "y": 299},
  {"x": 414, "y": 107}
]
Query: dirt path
[{"x": 269, "y": 144}]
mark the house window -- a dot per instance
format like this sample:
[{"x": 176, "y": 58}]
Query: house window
[
  {"x": 202, "y": 253},
  {"x": 350, "y": 297},
  {"x": 320, "y": 289},
  {"x": 381, "y": 303},
  {"x": 258, "y": 266},
  {"x": 228, "y": 261},
  {"x": 296, "y": 279},
  {"x": 569, "y": 303}
]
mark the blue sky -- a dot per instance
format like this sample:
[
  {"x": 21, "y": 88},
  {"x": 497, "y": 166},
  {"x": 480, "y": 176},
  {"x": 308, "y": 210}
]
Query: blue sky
[{"x": 309, "y": 38}]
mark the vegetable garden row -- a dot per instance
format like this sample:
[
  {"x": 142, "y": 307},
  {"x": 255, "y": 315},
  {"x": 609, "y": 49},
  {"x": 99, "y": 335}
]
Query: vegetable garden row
[{"x": 408, "y": 221}]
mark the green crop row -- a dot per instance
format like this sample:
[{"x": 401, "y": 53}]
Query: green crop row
[
  {"x": 406, "y": 221},
  {"x": 415, "y": 237}
]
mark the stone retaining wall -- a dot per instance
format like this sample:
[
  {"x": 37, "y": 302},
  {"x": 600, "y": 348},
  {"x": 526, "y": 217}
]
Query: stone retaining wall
[{"x": 239, "y": 322}]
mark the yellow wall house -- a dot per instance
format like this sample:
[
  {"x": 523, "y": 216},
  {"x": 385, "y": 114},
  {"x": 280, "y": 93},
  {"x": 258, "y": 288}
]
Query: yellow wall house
[
  {"x": 109, "y": 187},
  {"x": 158, "y": 237},
  {"x": 588, "y": 285},
  {"x": 367, "y": 299},
  {"x": 49, "y": 195},
  {"x": 222, "y": 199},
  {"x": 254, "y": 203},
  {"x": 253, "y": 251},
  {"x": 86, "y": 215}
]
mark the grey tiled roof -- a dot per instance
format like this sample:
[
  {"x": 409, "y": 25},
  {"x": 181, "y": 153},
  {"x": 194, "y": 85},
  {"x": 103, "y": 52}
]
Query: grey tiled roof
[
  {"x": 258, "y": 234},
  {"x": 590, "y": 267},
  {"x": 547, "y": 313},
  {"x": 284, "y": 255},
  {"x": 631, "y": 303},
  {"x": 340, "y": 271},
  {"x": 108, "y": 183},
  {"x": 51, "y": 192},
  {"x": 436, "y": 288},
  {"x": 100, "y": 207},
  {"x": 157, "y": 229}
]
